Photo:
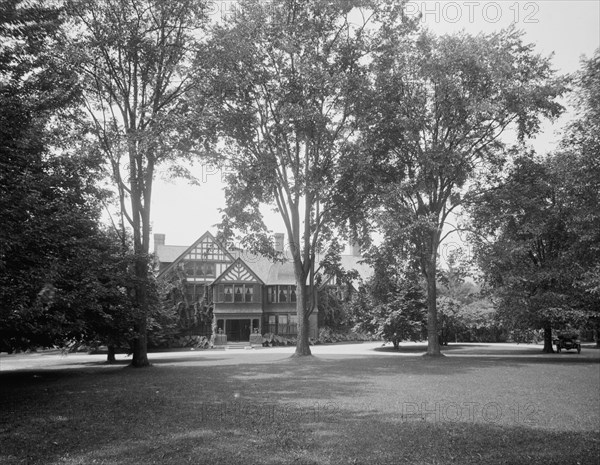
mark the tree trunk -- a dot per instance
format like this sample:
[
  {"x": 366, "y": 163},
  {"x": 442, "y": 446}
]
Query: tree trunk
[
  {"x": 548, "y": 339},
  {"x": 140, "y": 341},
  {"x": 214, "y": 329},
  {"x": 302, "y": 343},
  {"x": 110, "y": 357},
  {"x": 140, "y": 345},
  {"x": 433, "y": 343}
]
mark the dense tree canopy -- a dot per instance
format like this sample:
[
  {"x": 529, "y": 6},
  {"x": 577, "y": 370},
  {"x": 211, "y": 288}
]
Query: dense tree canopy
[
  {"x": 134, "y": 59},
  {"x": 581, "y": 170},
  {"x": 288, "y": 76},
  {"x": 51, "y": 248},
  {"x": 392, "y": 303},
  {"x": 526, "y": 247},
  {"x": 434, "y": 121},
  {"x": 340, "y": 114},
  {"x": 539, "y": 241}
]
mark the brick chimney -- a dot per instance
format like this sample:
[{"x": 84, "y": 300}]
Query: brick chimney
[
  {"x": 159, "y": 239},
  {"x": 279, "y": 242}
]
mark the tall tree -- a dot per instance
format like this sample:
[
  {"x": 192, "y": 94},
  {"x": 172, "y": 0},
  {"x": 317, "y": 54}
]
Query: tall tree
[
  {"x": 582, "y": 169},
  {"x": 542, "y": 225},
  {"x": 578, "y": 161},
  {"x": 528, "y": 252},
  {"x": 289, "y": 74},
  {"x": 49, "y": 199},
  {"x": 134, "y": 58},
  {"x": 437, "y": 111}
]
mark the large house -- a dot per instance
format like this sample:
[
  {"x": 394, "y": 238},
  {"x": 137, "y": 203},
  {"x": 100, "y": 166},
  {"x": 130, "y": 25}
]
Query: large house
[{"x": 234, "y": 292}]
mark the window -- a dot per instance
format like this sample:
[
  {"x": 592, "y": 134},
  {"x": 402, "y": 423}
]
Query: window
[
  {"x": 272, "y": 294},
  {"x": 208, "y": 269},
  {"x": 198, "y": 268},
  {"x": 237, "y": 293},
  {"x": 228, "y": 294},
  {"x": 293, "y": 326},
  {"x": 189, "y": 268},
  {"x": 283, "y": 320},
  {"x": 281, "y": 294}
]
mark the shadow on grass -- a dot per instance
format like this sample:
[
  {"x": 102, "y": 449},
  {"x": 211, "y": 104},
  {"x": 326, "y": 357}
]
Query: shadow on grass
[
  {"x": 327, "y": 409},
  {"x": 154, "y": 360},
  {"x": 507, "y": 353},
  {"x": 310, "y": 411},
  {"x": 475, "y": 349},
  {"x": 354, "y": 439},
  {"x": 402, "y": 349}
]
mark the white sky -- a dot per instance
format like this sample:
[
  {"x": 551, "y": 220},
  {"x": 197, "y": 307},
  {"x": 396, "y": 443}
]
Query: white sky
[{"x": 569, "y": 29}]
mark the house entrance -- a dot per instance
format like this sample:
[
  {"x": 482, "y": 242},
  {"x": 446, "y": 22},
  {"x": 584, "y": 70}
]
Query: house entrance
[{"x": 237, "y": 330}]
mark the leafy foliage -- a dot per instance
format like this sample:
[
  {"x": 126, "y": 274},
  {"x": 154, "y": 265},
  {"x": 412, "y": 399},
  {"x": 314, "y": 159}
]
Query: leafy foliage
[
  {"x": 134, "y": 59},
  {"x": 542, "y": 226},
  {"x": 392, "y": 304},
  {"x": 293, "y": 70},
  {"x": 580, "y": 170},
  {"x": 53, "y": 258},
  {"x": 528, "y": 254},
  {"x": 432, "y": 124}
]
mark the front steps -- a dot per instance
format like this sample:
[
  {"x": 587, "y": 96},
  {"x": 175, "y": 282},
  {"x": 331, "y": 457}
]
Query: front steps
[
  {"x": 237, "y": 345},
  {"x": 241, "y": 346}
]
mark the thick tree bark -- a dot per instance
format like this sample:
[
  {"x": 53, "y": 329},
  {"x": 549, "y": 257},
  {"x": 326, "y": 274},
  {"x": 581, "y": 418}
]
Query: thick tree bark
[
  {"x": 140, "y": 342},
  {"x": 140, "y": 213},
  {"x": 302, "y": 344},
  {"x": 140, "y": 345},
  {"x": 433, "y": 343},
  {"x": 548, "y": 338},
  {"x": 110, "y": 356}
]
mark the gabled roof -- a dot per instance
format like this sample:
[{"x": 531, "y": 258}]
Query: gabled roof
[
  {"x": 238, "y": 272},
  {"x": 206, "y": 236},
  {"x": 169, "y": 253},
  {"x": 281, "y": 273},
  {"x": 260, "y": 267},
  {"x": 257, "y": 263}
]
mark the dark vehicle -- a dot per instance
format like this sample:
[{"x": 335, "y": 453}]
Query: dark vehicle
[{"x": 568, "y": 342}]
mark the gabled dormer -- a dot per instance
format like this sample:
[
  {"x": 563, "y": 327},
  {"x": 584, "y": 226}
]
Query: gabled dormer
[{"x": 238, "y": 284}]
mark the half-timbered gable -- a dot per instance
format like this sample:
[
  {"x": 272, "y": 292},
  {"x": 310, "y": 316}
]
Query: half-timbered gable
[
  {"x": 237, "y": 297},
  {"x": 203, "y": 261},
  {"x": 238, "y": 285}
]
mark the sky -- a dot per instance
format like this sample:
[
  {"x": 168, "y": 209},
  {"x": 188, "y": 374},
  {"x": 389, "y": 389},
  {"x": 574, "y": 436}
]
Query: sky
[{"x": 568, "y": 29}]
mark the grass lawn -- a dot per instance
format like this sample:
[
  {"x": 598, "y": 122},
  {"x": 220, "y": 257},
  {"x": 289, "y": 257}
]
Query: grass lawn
[{"x": 473, "y": 406}]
